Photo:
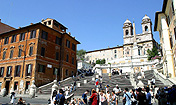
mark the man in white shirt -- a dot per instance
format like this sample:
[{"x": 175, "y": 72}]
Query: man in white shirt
[{"x": 117, "y": 90}]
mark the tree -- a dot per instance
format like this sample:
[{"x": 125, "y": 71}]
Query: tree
[
  {"x": 80, "y": 54},
  {"x": 100, "y": 61},
  {"x": 152, "y": 53}
]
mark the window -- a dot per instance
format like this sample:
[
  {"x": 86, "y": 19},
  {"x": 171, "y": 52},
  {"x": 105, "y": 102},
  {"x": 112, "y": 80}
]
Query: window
[
  {"x": 9, "y": 70},
  {"x": 15, "y": 85},
  {"x": 33, "y": 34},
  {"x": 30, "y": 50},
  {"x": 22, "y": 36},
  {"x": 58, "y": 40},
  {"x": 19, "y": 52},
  {"x": 44, "y": 35},
  {"x": 73, "y": 60},
  {"x": 68, "y": 43},
  {"x": 57, "y": 55},
  {"x": 42, "y": 51},
  {"x": 1, "y": 71},
  {"x": 4, "y": 55},
  {"x": 73, "y": 47},
  {"x": 13, "y": 39},
  {"x": 139, "y": 52},
  {"x": 66, "y": 72},
  {"x": 146, "y": 28},
  {"x": 41, "y": 68},
  {"x": 49, "y": 22},
  {"x": 28, "y": 69},
  {"x": 127, "y": 52},
  {"x": 17, "y": 70},
  {"x": 67, "y": 58},
  {"x": 11, "y": 54},
  {"x": 126, "y": 32},
  {"x": 56, "y": 70},
  {"x": 6, "y": 41},
  {"x": 115, "y": 56},
  {"x": 114, "y": 51}
]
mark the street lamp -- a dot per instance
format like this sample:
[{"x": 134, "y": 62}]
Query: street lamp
[{"x": 167, "y": 75}]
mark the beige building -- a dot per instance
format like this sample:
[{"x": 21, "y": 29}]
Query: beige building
[
  {"x": 165, "y": 23},
  {"x": 135, "y": 46}
]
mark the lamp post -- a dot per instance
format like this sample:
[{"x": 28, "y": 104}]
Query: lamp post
[{"x": 167, "y": 75}]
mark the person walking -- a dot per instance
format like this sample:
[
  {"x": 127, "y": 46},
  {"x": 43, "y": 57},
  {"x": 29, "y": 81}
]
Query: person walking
[
  {"x": 60, "y": 98},
  {"x": 103, "y": 98},
  {"x": 148, "y": 96},
  {"x": 93, "y": 97},
  {"x": 13, "y": 98},
  {"x": 127, "y": 97},
  {"x": 52, "y": 99},
  {"x": 141, "y": 97},
  {"x": 74, "y": 85},
  {"x": 114, "y": 100},
  {"x": 108, "y": 95},
  {"x": 84, "y": 97}
]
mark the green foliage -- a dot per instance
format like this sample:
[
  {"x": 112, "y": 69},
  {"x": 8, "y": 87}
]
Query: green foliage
[
  {"x": 152, "y": 53},
  {"x": 99, "y": 61},
  {"x": 80, "y": 54}
]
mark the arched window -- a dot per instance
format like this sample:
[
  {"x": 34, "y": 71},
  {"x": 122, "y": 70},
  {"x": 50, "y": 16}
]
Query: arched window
[
  {"x": 146, "y": 28},
  {"x": 126, "y": 32}
]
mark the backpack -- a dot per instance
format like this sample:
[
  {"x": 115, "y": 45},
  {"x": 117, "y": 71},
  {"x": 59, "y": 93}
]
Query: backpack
[{"x": 57, "y": 102}]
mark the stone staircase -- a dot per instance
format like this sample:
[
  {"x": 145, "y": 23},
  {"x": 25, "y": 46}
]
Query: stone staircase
[
  {"x": 149, "y": 75},
  {"x": 115, "y": 79}
]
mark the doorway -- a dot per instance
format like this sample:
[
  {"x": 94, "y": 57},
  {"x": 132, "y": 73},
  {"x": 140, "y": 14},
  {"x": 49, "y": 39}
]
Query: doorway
[{"x": 7, "y": 87}]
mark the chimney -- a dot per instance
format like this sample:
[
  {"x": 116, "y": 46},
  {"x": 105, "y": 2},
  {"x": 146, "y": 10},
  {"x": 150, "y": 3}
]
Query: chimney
[
  {"x": 19, "y": 27},
  {"x": 31, "y": 23}
]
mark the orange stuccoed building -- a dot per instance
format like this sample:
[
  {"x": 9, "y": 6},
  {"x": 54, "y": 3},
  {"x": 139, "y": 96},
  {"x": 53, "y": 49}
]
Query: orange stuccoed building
[{"x": 36, "y": 52}]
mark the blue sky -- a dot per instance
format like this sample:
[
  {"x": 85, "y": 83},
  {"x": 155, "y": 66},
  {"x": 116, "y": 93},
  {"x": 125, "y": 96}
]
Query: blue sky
[{"x": 96, "y": 24}]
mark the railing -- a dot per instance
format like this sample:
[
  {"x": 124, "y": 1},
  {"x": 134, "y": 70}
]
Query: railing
[{"x": 163, "y": 79}]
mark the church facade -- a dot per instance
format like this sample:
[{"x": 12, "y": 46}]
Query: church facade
[{"x": 134, "y": 47}]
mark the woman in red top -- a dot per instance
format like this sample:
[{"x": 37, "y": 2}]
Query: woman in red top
[{"x": 94, "y": 97}]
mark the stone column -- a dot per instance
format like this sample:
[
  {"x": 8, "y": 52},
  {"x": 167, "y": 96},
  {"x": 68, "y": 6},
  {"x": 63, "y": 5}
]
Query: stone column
[
  {"x": 32, "y": 90},
  {"x": 167, "y": 46}
]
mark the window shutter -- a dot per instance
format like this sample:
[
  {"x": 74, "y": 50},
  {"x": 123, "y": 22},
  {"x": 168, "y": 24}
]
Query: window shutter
[
  {"x": 31, "y": 69},
  {"x": 26, "y": 70},
  {"x": 16, "y": 69},
  {"x": 19, "y": 70},
  {"x": 10, "y": 70},
  {"x": 34, "y": 33}
]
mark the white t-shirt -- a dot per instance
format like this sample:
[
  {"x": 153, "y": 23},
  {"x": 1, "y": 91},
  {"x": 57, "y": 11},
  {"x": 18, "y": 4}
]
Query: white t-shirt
[
  {"x": 116, "y": 90},
  {"x": 108, "y": 96}
]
